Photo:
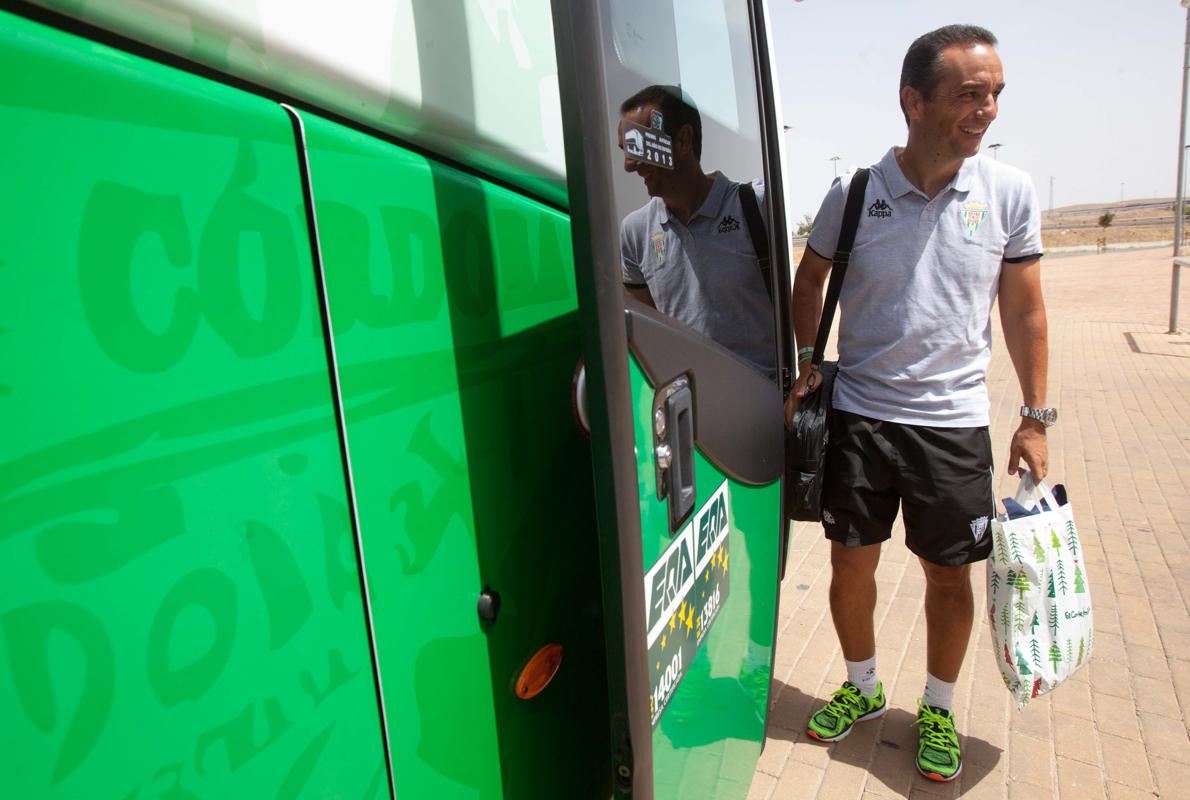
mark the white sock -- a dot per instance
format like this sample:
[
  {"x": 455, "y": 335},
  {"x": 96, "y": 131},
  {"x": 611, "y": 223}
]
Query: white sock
[
  {"x": 862, "y": 674},
  {"x": 938, "y": 693}
]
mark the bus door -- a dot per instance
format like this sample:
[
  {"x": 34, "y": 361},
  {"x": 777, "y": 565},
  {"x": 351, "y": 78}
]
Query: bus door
[{"x": 687, "y": 434}]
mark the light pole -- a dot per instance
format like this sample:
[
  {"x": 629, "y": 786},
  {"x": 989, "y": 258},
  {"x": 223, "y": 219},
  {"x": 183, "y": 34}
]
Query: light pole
[
  {"x": 995, "y": 148},
  {"x": 834, "y": 164},
  {"x": 1179, "y": 207}
]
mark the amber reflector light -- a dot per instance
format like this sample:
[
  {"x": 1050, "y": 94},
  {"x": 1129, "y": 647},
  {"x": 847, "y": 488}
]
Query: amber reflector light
[{"x": 540, "y": 670}]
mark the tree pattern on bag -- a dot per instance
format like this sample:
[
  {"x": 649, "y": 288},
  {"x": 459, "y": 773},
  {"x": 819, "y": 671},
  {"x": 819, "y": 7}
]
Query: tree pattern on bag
[
  {"x": 1001, "y": 547},
  {"x": 1055, "y": 656},
  {"x": 1071, "y": 538},
  {"x": 1014, "y": 547},
  {"x": 1039, "y": 570}
]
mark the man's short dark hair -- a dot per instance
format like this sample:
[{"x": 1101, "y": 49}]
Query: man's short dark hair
[
  {"x": 922, "y": 68},
  {"x": 676, "y": 110}
]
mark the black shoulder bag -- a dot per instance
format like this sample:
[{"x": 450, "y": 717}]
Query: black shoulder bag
[{"x": 806, "y": 449}]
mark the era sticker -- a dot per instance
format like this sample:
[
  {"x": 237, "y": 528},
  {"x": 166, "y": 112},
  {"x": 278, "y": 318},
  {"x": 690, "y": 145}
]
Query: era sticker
[
  {"x": 646, "y": 144},
  {"x": 684, "y": 591}
]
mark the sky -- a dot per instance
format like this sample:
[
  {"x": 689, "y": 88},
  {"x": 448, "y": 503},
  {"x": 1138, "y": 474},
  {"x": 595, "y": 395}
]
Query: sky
[{"x": 1092, "y": 89}]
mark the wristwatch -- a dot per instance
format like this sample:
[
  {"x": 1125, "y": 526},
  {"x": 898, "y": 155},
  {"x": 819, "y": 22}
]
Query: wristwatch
[{"x": 1046, "y": 416}]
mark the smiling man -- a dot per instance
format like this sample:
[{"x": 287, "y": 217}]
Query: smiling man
[
  {"x": 689, "y": 252},
  {"x": 944, "y": 232}
]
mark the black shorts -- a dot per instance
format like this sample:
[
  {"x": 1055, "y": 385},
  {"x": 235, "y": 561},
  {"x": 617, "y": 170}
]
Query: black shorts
[{"x": 941, "y": 478}]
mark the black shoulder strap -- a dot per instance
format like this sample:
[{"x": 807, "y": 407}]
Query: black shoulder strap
[
  {"x": 759, "y": 234},
  {"x": 855, "y": 203}
]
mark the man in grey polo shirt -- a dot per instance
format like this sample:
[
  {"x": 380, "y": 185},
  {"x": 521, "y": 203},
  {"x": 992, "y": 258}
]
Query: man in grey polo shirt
[
  {"x": 943, "y": 234},
  {"x": 688, "y": 251}
]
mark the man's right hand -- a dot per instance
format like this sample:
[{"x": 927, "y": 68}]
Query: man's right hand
[{"x": 801, "y": 388}]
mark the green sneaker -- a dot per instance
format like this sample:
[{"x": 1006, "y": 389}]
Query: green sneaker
[
  {"x": 937, "y": 744},
  {"x": 848, "y": 706}
]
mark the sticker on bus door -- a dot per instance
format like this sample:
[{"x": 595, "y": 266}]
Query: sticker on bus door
[{"x": 684, "y": 591}]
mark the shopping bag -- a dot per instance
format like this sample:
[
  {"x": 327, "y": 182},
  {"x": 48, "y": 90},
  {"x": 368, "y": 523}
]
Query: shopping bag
[{"x": 1039, "y": 602}]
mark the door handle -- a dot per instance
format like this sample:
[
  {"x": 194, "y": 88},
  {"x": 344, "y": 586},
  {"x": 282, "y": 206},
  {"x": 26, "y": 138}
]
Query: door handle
[{"x": 673, "y": 433}]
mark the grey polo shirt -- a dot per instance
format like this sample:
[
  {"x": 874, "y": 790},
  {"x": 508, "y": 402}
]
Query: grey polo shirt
[
  {"x": 704, "y": 273},
  {"x": 915, "y": 310}
]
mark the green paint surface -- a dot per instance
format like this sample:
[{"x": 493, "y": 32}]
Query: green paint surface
[
  {"x": 454, "y": 311},
  {"x": 180, "y": 612},
  {"x": 709, "y": 737}
]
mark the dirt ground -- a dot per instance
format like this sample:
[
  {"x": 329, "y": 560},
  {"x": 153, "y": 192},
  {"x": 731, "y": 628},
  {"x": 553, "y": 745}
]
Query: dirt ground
[{"x": 1079, "y": 225}]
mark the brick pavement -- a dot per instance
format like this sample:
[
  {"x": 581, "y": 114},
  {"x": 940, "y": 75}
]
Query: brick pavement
[{"x": 1118, "y": 728}]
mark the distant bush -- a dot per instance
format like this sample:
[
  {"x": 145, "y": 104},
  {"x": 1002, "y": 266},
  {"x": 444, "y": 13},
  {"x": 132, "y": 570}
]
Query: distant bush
[{"x": 805, "y": 226}]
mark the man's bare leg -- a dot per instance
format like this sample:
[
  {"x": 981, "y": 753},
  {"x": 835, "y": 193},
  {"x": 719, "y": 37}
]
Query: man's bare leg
[
  {"x": 853, "y": 598},
  {"x": 950, "y": 612}
]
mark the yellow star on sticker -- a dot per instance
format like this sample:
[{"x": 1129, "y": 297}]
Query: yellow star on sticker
[
  {"x": 672, "y": 622},
  {"x": 726, "y": 556},
  {"x": 663, "y": 641},
  {"x": 707, "y": 576},
  {"x": 658, "y": 666},
  {"x": 690, "y": 620}
]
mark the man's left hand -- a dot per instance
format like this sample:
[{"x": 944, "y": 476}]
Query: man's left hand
[{"x": 1029, "y": 443}]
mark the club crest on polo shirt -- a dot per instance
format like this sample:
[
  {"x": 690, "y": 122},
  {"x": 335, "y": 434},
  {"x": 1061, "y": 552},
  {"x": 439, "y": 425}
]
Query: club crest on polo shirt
[
  {"x": 658, "y": 240},
  {"x": 729, "y": 224},
  {"x": 979, "y": 527},
  {"x": 973, "y": 216}
]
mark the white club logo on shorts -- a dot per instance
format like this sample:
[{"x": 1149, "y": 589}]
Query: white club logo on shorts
[
  {"x": 827, "y": 517},
  {"x": 979, "y": 527}
]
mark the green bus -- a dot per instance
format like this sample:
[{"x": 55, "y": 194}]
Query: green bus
[{"x": 331, "y": 445}]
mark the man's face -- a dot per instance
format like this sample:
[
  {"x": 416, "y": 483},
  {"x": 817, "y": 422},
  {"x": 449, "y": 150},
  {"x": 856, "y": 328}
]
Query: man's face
[
  {"x": 656, "y": 178},
  {"x": 964, "y": 104}
]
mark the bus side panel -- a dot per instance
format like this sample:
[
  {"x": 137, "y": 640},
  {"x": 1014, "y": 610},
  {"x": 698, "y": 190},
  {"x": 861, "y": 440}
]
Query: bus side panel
[
  {"x": 180, "y": 612},
  {"x": 453, "y": 306},
  {"x": 710, "y": 665}
]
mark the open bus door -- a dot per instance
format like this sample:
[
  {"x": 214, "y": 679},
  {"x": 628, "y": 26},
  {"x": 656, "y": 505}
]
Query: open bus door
[{"x": 687, "y": 439}]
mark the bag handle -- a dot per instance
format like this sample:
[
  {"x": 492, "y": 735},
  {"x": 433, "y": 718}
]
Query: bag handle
[
  {"x": 855, "y": 202},
  {"x": 1029, "y": 490}
]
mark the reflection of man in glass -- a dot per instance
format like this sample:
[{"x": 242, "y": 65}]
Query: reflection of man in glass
[{"x": 689, "y": 251}]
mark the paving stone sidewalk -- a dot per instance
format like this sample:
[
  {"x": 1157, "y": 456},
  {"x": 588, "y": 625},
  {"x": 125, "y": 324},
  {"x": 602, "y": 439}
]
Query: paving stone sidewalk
[{"x": 1118, "y": 728}]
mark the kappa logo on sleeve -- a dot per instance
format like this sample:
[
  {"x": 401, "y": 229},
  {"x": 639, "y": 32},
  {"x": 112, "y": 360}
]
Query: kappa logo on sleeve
[
  {"x": 880, "y": 209},
  {"x": 729, "y": 224}
]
